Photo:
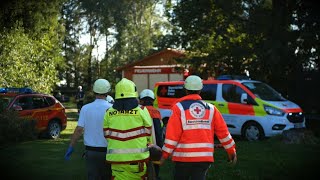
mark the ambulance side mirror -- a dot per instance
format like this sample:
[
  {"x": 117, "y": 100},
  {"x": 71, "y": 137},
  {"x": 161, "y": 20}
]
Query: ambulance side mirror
[{"x": 244, "y": 98}]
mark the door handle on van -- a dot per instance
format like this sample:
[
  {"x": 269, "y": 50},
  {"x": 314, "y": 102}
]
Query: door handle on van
[{"x": 220, "y": 104}]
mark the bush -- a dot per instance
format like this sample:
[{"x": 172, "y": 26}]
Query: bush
[
  {"x": 16, "y": 129},
  {"x": 313, "y": 123},
  {"x": 89, "y": 97}
]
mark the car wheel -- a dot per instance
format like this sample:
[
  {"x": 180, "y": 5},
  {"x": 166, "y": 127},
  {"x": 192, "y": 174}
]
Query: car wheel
[
  {"x": 54, "y": 129},
  {"x": 252, "y": 131}
]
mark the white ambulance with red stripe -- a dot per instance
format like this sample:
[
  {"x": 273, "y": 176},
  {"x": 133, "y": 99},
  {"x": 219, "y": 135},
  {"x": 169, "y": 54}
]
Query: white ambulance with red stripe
[{"x": 250, "y": 108}]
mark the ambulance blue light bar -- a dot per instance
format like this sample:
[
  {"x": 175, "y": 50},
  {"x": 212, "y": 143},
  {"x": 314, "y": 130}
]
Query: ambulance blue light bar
[
  {"x": 24, "y": 90},
  {"x": 233, "y": 77}
]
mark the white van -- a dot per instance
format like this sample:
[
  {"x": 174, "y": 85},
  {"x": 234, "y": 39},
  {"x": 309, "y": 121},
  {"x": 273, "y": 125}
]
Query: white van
[{"x": 250, "y": 108}]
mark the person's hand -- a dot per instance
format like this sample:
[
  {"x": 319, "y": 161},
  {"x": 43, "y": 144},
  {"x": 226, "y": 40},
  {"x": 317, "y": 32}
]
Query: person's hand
[
  {"x": 232, "y": 158},
  {"x": 68, "y": 153},
  {"x": 162, "y": 160}
]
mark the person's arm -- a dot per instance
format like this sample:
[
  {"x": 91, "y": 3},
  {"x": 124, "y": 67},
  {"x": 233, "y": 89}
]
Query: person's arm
[
  {"x": 147, "y": 121},
  {"x": 156, "y": 118},
  {"x": 173, "y": 132},
  {"x": 106, "y": 125},
  {"x": 224, "y": 136},
  {"x": 158, "y": 131},
  {"x": 76, "y": 135}
]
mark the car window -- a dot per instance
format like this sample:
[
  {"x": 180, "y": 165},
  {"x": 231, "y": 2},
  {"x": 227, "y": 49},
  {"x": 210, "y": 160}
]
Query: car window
[
  {"x": 264, "y": 91},
  {"x": 39, "y": 102},
  {"x": 232, "y": 93},
  {"x": 25, "y": 102},
  {"x": 209, "y": 92},
  {"x": 50, "y": 100},
  {"x": 171, "y": 91},
  {"x": 4, "y": 102}
]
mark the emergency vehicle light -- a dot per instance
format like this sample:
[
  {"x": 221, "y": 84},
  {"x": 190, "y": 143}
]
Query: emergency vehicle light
[
  {"x": 233, "y": 77},
  {"x": 16, "y": 90},
  {"x": 3, "y": 90}
]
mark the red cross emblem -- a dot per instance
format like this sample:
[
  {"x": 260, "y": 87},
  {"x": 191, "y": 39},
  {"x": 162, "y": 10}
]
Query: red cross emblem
[
  {"x": 197, "y": 110},
  {"x": 163, "y": 91}
]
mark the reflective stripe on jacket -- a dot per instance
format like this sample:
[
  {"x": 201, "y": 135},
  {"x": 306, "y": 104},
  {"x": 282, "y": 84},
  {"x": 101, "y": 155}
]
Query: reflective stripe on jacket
[
  {"x": 190, "y": 131},
  {"x": 128, "y": 132}
]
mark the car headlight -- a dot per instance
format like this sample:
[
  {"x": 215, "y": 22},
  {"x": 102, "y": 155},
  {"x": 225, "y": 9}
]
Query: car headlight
[{"x": 273, "y": 111}]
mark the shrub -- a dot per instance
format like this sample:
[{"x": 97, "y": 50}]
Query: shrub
[
  {"x": 16, "y": 129},
  {"x": 89, "y": 97}
]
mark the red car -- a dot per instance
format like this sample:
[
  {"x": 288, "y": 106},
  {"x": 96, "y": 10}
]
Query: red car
[{"x": 48, "y": 112}]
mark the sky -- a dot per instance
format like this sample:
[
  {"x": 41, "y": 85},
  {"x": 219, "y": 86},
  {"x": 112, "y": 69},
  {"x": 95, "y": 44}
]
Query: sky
[{"x": 100, "y": 50}]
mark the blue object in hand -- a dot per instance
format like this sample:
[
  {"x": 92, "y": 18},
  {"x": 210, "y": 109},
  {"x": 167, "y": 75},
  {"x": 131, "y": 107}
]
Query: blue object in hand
[{"x": 68, "y": 153}]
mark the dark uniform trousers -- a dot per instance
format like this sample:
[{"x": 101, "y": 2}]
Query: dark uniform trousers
[
  {"x": 97, "y": 168},
  {"x": 193, "y": 170}
]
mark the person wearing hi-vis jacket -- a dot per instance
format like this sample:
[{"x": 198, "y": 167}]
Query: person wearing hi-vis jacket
[
  {"x": 190, "y": 134},
  {"x": 128, "y": 130}
]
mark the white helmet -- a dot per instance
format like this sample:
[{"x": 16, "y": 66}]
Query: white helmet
[
  {"x": 80, "y": 87},
  {"x": 147, "y": 93},
  {"x": 110, "y": 99},
  {"x": 101, "y": 86},
  {"x": 193, "y": 83}
]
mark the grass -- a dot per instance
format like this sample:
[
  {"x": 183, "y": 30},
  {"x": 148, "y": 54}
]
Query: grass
[
  {"x": 268, "y": 159},
  {"x": 43, "y": 159}
]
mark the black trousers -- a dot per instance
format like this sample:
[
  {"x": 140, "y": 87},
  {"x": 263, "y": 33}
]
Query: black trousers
[
  {"x": 97, "y": 168},
  {"x": 79, "y": 105},
  {"x": 191, "y": 170}
]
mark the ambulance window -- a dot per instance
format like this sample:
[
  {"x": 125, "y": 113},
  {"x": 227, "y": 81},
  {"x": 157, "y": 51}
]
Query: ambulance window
[
  {"x": 232, "y": 93},
  {"x": 171, "y": 91},
  {"x": 209, "y": 92}
]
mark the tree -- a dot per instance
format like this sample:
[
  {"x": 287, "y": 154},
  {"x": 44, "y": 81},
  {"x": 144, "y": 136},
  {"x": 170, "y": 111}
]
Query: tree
[
  {"x": 135, "y": 27},
  {"x": 26, "y": 62},
  {"x": 212, "y": 31},
  {"x": 266, "y": 37},
  {"x": 30, "y": 43},
  {"x": 71, "y": 20}
]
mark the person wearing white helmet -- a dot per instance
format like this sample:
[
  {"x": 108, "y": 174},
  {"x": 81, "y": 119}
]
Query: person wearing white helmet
[
  {"x": 90, "y": 124},
  {"x": 110, "y": 99},
  {"x": 79, "y": 98},
  {"x": 190, "y": 134},
  {"x": 146, "y": 101}
]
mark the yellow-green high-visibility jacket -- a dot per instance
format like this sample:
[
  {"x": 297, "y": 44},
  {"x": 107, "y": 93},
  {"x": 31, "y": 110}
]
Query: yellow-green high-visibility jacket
[{"x": 128, "y": 133}]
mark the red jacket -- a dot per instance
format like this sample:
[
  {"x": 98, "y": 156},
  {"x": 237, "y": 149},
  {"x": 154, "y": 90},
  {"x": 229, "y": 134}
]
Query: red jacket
[
  {"x": 191, "y": 129},
  {"x": 157, "y": 124}
]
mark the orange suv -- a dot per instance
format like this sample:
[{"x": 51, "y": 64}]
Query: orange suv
[{"x": 48, "y": 112}]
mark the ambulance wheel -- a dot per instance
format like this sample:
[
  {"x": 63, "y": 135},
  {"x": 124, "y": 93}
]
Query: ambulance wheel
[
  {"x": 54, "y": 129},
  {"x": 252, "y": 131}
]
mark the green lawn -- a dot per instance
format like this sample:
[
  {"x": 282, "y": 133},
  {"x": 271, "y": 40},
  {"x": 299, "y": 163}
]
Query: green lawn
[{"x": 269, "y": 159}]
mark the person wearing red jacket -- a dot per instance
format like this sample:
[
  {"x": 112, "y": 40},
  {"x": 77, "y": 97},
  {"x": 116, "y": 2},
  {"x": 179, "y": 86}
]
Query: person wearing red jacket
[
  {"x": 146, "y": 100},
  {"x": 190, "y": 134}
]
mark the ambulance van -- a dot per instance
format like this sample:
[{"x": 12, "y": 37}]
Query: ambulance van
[{"x": 250, "y": 108}]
